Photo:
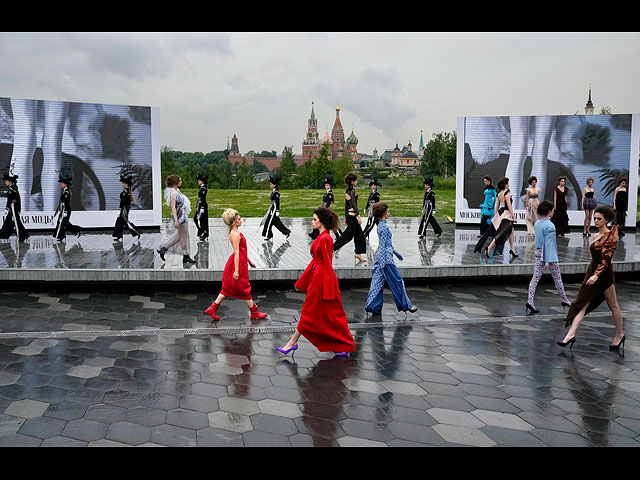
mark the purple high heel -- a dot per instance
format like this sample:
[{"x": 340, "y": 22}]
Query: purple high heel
[
  {"x": 292, "y": 349},
  {"x": 340, "y": 354}
]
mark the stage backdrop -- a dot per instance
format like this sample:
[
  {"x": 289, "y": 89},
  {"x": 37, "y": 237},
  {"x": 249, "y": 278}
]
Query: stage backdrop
[
  {"x": 94, "y": 142},
  {"x": 604, "y": 147}
]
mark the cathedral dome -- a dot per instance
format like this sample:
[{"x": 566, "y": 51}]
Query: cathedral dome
[{"x": 352, "y": 139}]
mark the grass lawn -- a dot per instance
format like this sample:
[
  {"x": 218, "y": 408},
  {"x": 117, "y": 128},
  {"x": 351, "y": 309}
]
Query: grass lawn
[{"x": 402, "y": 202}]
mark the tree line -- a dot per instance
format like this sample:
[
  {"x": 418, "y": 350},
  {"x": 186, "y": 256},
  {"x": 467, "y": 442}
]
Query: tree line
[{"x": 439, "y": 159}]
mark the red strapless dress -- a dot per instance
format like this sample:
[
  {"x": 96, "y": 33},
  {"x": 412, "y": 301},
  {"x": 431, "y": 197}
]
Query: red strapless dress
[
  {"x": 237, "y": 288},
  {"x": 322, "y": 320}
]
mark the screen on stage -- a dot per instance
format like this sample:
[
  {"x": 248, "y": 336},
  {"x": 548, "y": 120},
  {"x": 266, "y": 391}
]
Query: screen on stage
[
  {"x": 94, "y": 143},
  {"x": 604, "y": 147}
]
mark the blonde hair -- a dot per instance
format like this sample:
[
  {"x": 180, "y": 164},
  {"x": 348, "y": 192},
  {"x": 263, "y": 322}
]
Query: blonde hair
[{"x": 229, "y": 217}]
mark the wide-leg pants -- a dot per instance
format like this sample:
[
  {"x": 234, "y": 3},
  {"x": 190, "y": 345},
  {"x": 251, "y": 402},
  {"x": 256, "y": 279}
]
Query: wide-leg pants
[
  {"x": 121, "y": 224},
  {"x": 10, "y": 225},
  {"x": 391, "y": 275},
  {"x": 354, "y": 232}
]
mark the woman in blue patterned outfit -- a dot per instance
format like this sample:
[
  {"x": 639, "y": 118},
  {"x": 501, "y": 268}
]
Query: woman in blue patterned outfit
[
  {"x": 384, "y": 268},
  {"x": 546, "y": 255}
]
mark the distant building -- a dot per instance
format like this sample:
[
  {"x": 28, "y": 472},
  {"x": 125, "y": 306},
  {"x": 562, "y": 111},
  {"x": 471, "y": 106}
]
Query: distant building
[
  {"x": 588, "y": 109},
  {"x": 337, "y": 137},
  {"x": 311, "y": 143},
  {"x": 234, "y": 152}
]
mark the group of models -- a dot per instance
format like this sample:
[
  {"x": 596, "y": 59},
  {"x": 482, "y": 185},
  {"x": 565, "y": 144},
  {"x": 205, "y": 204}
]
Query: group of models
[
  {"x": 323, "y": 320},
  {"x": 545, "y": 221},
  {"x": 13, "y": 223}
]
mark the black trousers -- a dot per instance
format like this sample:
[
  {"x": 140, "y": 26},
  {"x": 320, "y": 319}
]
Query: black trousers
[
  {"x": 9, "y": 226},
  {"x": 437, "y": 229},
  {"x": 120, "y": 225},
  {"x": 371, "y": 221},
  {"x": 275, "y": 222},
  {"x": 63, "y": 225},
  {"x": 202, "y": 222},
  {"x": 354, "y": 232},
  {"x": 484, "y": 224}
]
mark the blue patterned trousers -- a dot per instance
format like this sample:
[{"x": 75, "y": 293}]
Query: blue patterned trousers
[{"x": 390, "y": 274}]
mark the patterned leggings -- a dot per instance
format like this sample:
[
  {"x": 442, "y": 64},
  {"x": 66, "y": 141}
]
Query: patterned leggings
[{"x": 537, "y": 274}]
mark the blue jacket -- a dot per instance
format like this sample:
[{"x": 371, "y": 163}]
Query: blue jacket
[
  {"x": 545, "y": 232},
  {"x": 489, "y": 204},
  {"x": 385, "y": 248}
]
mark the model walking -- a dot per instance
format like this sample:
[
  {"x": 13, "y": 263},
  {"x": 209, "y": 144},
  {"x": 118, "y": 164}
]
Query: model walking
[
  {"x": 501, "y": 227},
  {"x": 428, "y": 210},
  {"x": 560, "y": 218},
  {"x": 327, "y": 200},
  {"x": 272, "y": 217},
  {"x": 126, "y": 197},
  {"x": 235, "y": 277},
  {"x": 384, "y": 268},
  {"x": 353, "y": 220},
  {"x": 589, "y": 204},
  {"x": 64, "y": 210},
  {"x": 532, "y": 202},
  {"x": 546, "y": 255},
  {"x": 488, "y": 207},
  {"x": 322, "y": 319},
  {"x": 374, "y": 197},
  {"x": 620, "y": 204},
  {"x": 201, "y": 217},
  {"x": 180, "y": 209},
  {"x": 599, "y": 281},
  {"x": 12, "y": 221}
]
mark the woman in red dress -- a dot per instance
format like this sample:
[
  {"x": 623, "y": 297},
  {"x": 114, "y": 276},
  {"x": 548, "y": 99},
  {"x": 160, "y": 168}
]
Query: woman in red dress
[
  {"x": 235, "y": 277},
  {"x": 322, "y": 319}
]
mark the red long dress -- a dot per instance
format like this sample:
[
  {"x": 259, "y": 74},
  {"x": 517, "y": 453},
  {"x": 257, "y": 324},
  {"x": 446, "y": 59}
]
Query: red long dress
[
  {"x": 322, "y": 320},
  {"x": 237, "y": 288}
]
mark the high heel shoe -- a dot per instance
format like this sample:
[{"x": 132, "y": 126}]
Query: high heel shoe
[
  {"x": 292, "y": 349},
  {"x": 340, "y": 354},
  {"x": 571, "y": 341},
  {"x": 617, "y": 347},
  {"x": 485, "y": 252},
  {"x": 564, "y": 305},
  {"x": 529, "y": 307},
  {"x": 513, "y": 254}
]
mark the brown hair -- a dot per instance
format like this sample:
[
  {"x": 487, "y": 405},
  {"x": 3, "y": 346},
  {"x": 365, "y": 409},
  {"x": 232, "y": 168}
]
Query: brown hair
[
  {"x": 622, "y": 179},
  {"x": 488, "y": 177},
  {"x": 379, "y": 209},
  {"x": 349, "y": 178},
  {"x": 606, "y": 211},
  {"x": 590, "y": 179},
  {"x": 172, "y": 180},
  {"x": 502, "y": 183},
  {"x": 329, "y": 218},
  {"x": 532, "y": 178}
]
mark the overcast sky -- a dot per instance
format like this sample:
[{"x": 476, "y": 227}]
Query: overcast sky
[{"x": 259, "y": 86}]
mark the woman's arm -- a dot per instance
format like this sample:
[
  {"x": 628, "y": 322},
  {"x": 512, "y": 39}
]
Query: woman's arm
[
  {"x": 614, "y": 197},
  {"x": 173, "y": 208},
  {"x": 234, "y": 238}
]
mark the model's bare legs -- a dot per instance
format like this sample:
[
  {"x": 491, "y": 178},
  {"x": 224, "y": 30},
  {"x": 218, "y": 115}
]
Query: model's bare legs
[
  {"x": 55, "y": 115},
  {"x": 24, "y": 146},
  {"x": 517, "y": 155},
  {"x": 587, "y": 221},
  {"x": 292, "y": 341},
  {"x": 612, "y": 302},
  {"x": 544, "y": 129}
]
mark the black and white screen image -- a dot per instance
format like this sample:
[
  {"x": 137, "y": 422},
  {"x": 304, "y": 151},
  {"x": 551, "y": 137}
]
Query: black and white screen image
[
  {"x": 573, "y": 146},
  {"x": 93, "y": 142}
]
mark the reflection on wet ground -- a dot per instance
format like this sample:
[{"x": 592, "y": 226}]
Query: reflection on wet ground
[
  {"x": 469, "y": 368},
  {"x": 454, "y": 247}
]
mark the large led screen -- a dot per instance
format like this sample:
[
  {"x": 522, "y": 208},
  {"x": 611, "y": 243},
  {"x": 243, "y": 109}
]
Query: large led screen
[
  {"x": 604, "y": 147},
  {"x": 93, "y": 143}
]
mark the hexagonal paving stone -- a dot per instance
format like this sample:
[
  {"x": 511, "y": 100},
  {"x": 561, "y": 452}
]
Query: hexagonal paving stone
[
  {"x": 26, "y": 408},
  {"x": 503, "y": 420},
  {"x": 8, "y": 378},
  {"x": 128, "y": 433},
  {"x": 280, "y": 409},
  {"x": 463, "y": 435},
  {"x": 238, "y": 405},
  {"x": 455, "y": 417},
  {"x": 234, "y": 422},
  {"x": 84, "y": 371}
]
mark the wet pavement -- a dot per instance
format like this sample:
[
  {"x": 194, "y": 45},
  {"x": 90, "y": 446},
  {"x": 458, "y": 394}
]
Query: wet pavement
[{"x": 112, "y": 368}]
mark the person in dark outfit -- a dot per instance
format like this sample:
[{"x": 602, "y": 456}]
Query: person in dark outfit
[
  {"x": 122, "y": 222},
  {"x": 327, "y": 200},
  {"x": 352, "y": 219},
  {"x": 428, "y": 210},
  {"x": 272, "y": 217},
  {"x": 374, "y": 197},
  {"x": 64, "y": 210},
  {"x": 13, "y": 222},
  {"x": 201, "y": 217},
  {"x": 620, "y": 204}
]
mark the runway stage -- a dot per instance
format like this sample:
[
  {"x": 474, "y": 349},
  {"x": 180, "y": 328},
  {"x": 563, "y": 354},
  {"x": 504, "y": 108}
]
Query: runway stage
[{"x": 94, "y": 257}]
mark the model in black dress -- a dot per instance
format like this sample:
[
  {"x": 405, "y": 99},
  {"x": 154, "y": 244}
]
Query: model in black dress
[
  {"x": 201, "y": 217},
  {"x": 353, "y": 220},
  {"x": 272, "y": 217},
  {"x": 374, "y": 197},
  {"x": 620, "y": 204},
  {"x": 428, "y": 210},
  {"x": 12, "y": 221},
  {"x": 64, "y": 210},
  {"x": 122, "y": 222}
]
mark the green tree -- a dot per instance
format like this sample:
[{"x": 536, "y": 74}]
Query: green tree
[
  {"x": 341, "y": 166},
  {"x": 321, "y": 164},
  {"x": 287, "y": 167},
  {"x": 244, "y": 177},
  {"x": 439, "y": 157},
  {"x": 606, "y": 111},
  {"x": 224, "y": 174}
]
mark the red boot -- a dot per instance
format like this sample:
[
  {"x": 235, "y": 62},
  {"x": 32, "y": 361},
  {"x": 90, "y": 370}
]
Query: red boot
[
  {"x": 255, "y": 314},
  {"x": 212, "y": 311}
]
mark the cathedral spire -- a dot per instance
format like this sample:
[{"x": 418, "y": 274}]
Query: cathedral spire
[{"x": 588, "y": 109}]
